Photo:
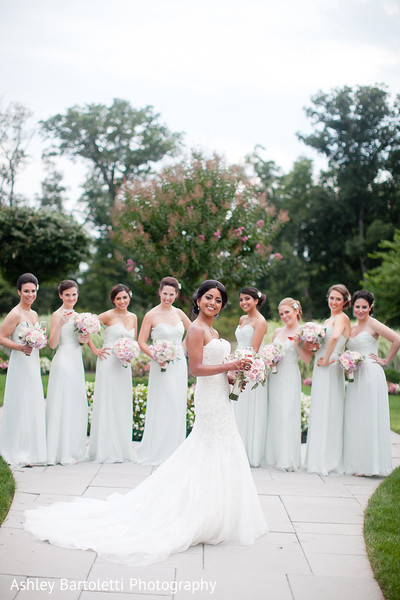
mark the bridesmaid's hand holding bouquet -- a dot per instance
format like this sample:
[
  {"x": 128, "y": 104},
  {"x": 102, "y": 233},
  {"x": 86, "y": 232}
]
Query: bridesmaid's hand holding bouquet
[
  {"x": 164, "y": 352},
  {"x": 32, "y": 336},
  {"x": 271, "y": 354},
  {"x": 351, "y": 361},
  {"x": 126, "y": 349}
]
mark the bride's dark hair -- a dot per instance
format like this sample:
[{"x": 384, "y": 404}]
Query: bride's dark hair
[{"x": 209, "y": 284}]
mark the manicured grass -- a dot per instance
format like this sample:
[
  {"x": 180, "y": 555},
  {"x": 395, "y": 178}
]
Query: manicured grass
[
  {"x": 394, "y": 406},
  {"x": 7, "y": 489},
  {"x": 382, "y": 535}
]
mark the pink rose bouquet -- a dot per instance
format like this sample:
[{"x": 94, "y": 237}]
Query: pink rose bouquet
[
  {"x": 126, "y": 349},
  {"x": 254, "y": 376},
  {"x": 312, "y": 333},
  {"x": 32, "y": 335},
  {"x": 271, "y": 354},
  {"x": 164, "y": 351},
  {"x": 86, "y": 323},
  {"x": 350, "y": 361}
]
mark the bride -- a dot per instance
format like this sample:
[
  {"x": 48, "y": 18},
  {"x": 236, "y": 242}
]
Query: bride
[{"x": 203, "y": 493}]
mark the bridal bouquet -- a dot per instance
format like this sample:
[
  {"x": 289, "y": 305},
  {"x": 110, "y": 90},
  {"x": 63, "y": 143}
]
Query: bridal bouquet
[
  {"x": 126, "y": 349},
  {"x": 255, "y": 375},
  {"x": 312, "y": 333},
  {"x": 32, "y": 335},
  {"x": 164, "y": 351},
  {"x": 350, "y": 361},
  {"x": 271, "y": 354},
  {"x": 86, "y": 323}
]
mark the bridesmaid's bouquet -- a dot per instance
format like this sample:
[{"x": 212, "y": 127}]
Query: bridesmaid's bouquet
[
  {"x": 350, "y": 361},
  {"x": 254, "y": 376},
  {"x": 86, "y": 323},
  {"x": 271, "y": 354},
  {"x": 32, "y": 335},
  {"x": 312, "y": 333},
  {"x": 164, "y": 351},
  {"x": 126, "y": 349}
]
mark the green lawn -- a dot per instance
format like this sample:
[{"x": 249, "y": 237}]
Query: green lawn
[
  {"x": 7, "y": 489},
  {"x": 382, "y": 535}
]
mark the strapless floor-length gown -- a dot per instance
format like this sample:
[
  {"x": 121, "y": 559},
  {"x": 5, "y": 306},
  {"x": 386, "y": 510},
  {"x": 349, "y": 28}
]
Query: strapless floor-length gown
[
  {"x": 325, "y": 429},
  {"x": 66, "y": 404},
  {"x": 283, "y": 446},
  {"x": 23, "y": 428},
  {"x": 367, "y": 447},
  {"x": 165, "y": 423},
  {"x": 203, "y": 493},
  {"x": 111, "y": 425},
  {"x": 251, "y": 408}
]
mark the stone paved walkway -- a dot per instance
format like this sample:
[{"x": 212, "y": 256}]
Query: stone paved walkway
[{"x": 314, "y": 550}]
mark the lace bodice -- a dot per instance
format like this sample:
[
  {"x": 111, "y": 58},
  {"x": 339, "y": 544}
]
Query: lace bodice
[
  {"x": 116, "y": 331},
  {"x": 163, "y": 331},
  {"x": 214, "y": 410}
]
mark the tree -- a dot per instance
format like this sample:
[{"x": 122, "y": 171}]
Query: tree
[
  {"x": 197, "y": 220},
  {"x": 43, "y": 242},
  {"x": 117, "y": 143},
  {"x": 14, "y": 138},
  {"x": 53, "y": 192},
  {"x": 384, "y": 281},
  {"x": 358, "y": 130}
]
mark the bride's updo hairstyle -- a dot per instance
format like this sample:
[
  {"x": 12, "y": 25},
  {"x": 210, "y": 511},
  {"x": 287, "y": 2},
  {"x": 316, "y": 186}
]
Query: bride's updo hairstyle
[
  {"x": 119, "y": 287},
  {"x": 172, "y": 282},
  {"x": 254, "y": 293},
  {"x": 66, "y": 285},
  {"x": 342, "y": 289},
  {"x": 27, "y": 278},
  {"x": 367, "y": 296},
  {"x": 209, "y": 284},
  {"x": 295, "y": 304}
]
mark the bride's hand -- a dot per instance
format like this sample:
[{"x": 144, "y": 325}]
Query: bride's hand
[{"x": 243, "y": 364}]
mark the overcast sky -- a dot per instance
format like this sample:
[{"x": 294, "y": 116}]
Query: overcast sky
[{"x": 230, "y": 74}]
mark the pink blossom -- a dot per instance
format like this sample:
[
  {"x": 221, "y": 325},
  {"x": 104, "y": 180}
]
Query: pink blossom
[
  {"x": 245, "y": 238},
  {"x": 147, "y": 281},
  {"x": 202, "y": 237},
  {"x": 277, "y": 256},
  {"x": 258, "y": 248},
  {"x": 260, "y": 223},
  {"x": 307, "y": 381},
  {"x": 217, "y": 234},
  {"x": 131, "y": 264}
]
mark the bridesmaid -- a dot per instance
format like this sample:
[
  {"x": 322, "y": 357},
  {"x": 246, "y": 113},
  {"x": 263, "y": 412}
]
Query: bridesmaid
[
  {"x": 283, "y": 447},
  {"x": 23, "y": 429},
  {"x": 165, "y": 424},
  {"x": 111, "y": 426},
  {"x": 367, "y": 447},
  {"x": 325, "y": 430},
  {"x": 251, "y": 407},
  {"x": 66, "y": 407}
]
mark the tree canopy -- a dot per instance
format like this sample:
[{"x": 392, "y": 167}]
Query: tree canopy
[{"x": 200, "y": 219}]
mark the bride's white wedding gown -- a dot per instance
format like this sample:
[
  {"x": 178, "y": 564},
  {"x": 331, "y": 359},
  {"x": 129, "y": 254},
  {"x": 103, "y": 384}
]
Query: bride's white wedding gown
[{"x": 203, "y": 493}]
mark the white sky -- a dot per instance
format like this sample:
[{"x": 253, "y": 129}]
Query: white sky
[{"x": 230, "y": 74}]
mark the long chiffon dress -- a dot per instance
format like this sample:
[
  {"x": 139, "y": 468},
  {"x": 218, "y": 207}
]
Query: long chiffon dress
[
  {"x": 203, "y": 493},
  {"x": 283, "y": 445},
  {"x": 366, "y": 446},
  {"x": 251, "y": 408},
  {"x": 23, "y": 429},
  {"x": 66, "y": 406},
  {"x": 325, "y": 429},
  {"x": 111, "y": 424},
  {"x": 165, "y": 424}
]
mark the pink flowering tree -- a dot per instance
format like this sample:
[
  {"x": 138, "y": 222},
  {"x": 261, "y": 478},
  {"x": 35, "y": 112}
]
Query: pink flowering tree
[{"x": 199, "y": 219}]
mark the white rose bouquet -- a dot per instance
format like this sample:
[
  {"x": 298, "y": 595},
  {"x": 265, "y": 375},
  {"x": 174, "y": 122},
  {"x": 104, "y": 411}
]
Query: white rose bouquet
[
  {"x": 86, "y": 323},
  {"x": 350, "y": 361},
  {"x": 126, "y": 349},
  {"x": 32, "y": 335},
  {"x": 254, "y": 376},
  {"x": 271, "y": 354},
  {"x": 164, "y": 351}
]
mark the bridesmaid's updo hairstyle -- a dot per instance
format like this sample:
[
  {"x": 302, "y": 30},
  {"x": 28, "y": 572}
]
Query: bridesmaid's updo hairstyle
[
  {"x": 367, "y": 296},
  {"x": 66, "y": 285},
  {"x": 342, "y": 289},
  {"x": 209, "y": 284},
  {"x": 120, "y": 287},
  {"x": 295, "y": 304},
  {"x": 172, "y": 282},
  {"x": 254, "y": 293},
  {"x": 27, "y": 278}
]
